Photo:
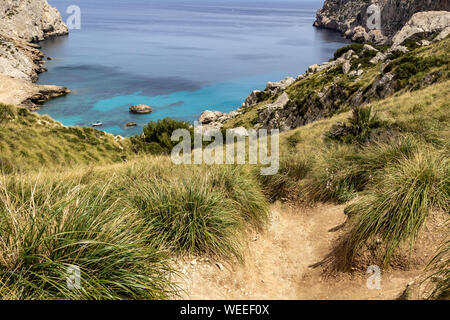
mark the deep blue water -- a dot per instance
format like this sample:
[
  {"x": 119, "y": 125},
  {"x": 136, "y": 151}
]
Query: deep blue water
[{"x": 181, "y": 57}]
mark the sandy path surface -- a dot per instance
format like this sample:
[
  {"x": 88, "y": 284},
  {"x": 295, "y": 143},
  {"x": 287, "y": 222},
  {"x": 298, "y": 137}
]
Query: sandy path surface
[{"x": 278, "y": 264}]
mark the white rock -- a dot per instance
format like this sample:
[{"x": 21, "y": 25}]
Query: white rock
[
  {"x": 209, "y": 116},
  {"x": 346, "y": 67},
  {"x": 442, "y": 35},
  {"x": 378, "y": 58},
  {"x": 348, "y": 55},
  {"x": 397, "y": 48},
  {"x": 423, "y": 23},
  {"x": 368, "y": 47}
]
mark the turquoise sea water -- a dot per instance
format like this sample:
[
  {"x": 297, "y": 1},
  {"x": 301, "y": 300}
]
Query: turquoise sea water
[{"x": 181, "y": 57}]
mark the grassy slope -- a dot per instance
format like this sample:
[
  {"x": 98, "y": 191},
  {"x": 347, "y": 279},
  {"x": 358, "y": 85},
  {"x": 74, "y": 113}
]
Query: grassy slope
[
  {"x": 31, "y": 141},
  {"x": 147, "y": 209}
]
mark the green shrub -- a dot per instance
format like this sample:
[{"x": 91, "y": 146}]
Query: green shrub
[
  {"x": 160, "y": 132},
  {"x": 410, "y": 65},
  {"x": 357, "y": 47},
  {"x": 359, "y": 127}
]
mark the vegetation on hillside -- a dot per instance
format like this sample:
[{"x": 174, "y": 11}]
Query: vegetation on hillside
[
  {"x": 78, "y": 197},
  {"x": 30, "y": 141},
  {"x": 418, "y": 68}
]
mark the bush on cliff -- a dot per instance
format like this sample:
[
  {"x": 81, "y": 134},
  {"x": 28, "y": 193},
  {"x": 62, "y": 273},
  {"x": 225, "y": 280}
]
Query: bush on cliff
[{"x": 156, "y": 138}]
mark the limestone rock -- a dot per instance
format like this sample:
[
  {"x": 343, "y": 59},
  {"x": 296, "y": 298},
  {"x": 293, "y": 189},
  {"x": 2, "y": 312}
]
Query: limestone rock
[
  {"x": 378, "y": 58},
  {"x": 23, "y": 22},
  {"x": 360, "y": 35},
  {"x": 209, "y": 116},
  {"x": 350, "y": 17},
  {"x": 369, "y": 48},
  {"x": 141, "y": 109},
  {"x": 395, "y": 49},
  {"x": 30, "y": 20},
  {"x": 348, "y": 55},
  {"x": 313, "y": 68},
  {"x": 383, "y": 86},
  {"x": 423, "y": 24},
  {"x": 252, "y": 99},
  {"x": 346, "y": 67},
  {"x": 442, "y": 35},
  {"x": 377, "y": 37},
  {"x": 277, "y": 87},
  {"x": 27, "y": 94}
]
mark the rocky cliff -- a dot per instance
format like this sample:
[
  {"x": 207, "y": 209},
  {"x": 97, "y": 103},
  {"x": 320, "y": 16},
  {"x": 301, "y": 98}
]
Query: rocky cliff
[
  {"x": 23, "y": 23},
  {"x": 350, "y": 16}
]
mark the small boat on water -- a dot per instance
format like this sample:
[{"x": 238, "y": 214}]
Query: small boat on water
[{"x": 97, "y": 124}]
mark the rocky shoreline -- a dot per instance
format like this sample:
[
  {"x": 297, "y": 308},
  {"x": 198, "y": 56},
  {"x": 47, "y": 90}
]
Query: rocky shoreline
[
  {"x": 350, "y": 17},
  {"x": 285, "y": 114},
  {"x": 23, "y": 23}
]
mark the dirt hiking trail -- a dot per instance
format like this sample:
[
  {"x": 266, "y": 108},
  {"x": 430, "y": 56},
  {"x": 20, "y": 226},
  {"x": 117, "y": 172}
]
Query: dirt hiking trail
[{"x": 278, "y": 264}]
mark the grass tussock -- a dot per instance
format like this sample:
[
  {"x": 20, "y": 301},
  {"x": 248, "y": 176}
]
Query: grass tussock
[
  {"x": 40, "y": 237},
  {"x": 293, "y": 168},
  {"x": 120, "y": 228},
  {"x": 343, "y": 171},
  {"x": 202, "y": 212},
  {"x": 396, "y": 207},
  {"x": 440, "y": 277}
]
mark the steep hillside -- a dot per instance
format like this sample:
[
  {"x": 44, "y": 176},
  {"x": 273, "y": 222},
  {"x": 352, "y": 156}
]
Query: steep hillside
[
  {"x": 358, "y": 74},
  {"x": 364, "y": 146},
  {"x": 29, "y": 141},
  {"x": 151, "y": 212},
  {"x": 23, "y": 22}
]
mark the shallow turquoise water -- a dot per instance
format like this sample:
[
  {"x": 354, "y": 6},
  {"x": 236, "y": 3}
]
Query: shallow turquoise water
[{"x": 181, "y": 57}]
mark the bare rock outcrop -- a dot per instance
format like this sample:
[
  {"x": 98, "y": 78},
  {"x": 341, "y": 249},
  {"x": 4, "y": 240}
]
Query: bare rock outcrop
[
  {"x": 350, "y": 16},
  {"x": 209, "y": 116},
  {"x": 141, "y": 109},
  {"x": 30, "y": 20},
  {"x": 23, "y": 23},
  {"x": 27, "y": 94},
  {"x": 423, "y": 24}
]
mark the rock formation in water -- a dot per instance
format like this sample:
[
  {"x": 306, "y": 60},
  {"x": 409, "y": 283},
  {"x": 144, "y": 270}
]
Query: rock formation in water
[
  {"x": 141, "y": 109},
  {"x": 23, "y": 23},
  {"x": 350, "y": 16}
]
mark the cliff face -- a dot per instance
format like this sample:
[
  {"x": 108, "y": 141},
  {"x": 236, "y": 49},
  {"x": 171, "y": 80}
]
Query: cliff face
[
  {"x": 30, "y": 20},
  {"x": 350, "y": 16},
  {"x": 23, "y": 23}
]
